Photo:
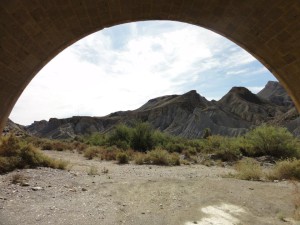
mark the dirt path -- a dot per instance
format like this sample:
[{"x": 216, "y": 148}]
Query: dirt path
[{"x": 141, "y": 195}]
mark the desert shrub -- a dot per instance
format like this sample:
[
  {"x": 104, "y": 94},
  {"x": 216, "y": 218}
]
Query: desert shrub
[
  {"x": 47, "y": 145},
  {"x": 15, "y": 153},
  {"x": 139, "y": 158},
  {"x": 96, "y": 139},
  {"x": 93, "y": 171},
  {"x": 142, "y": 137},
  {"x": 92, "y": 152},
  {"x": 197, "y": 144},
  {"x": 58, "y": 145},
  {"x": 270, "y": 140},
  {"x": 10, "y": 146},
  {"x": 174, "y": 159},
  {"x": 58, "y": 164},
  {"x": 159, "y": 157},
  {"x": 206, "y": 133},
  {"x": 286, "y": 169},
  {"x": 228, "y": 150},
  {"x": 79, "y": 146},
  {"x": 104, "y": 170},
  {"x": 109, "y": 153},
  {"x": 190, "y": 154},
  {"x": 162, "y": 157},
  {"x": 160, "y": 138},
  {"x": 61, "y": 146},
  {"x": 121, "y": 135},
  {"x": 223, "y": 148},
  {"x": 122, "y": 145},
  {"x": 8, "y": 164},
  {"x": 122, "y": 157},
  {"x": 18, "y": 179},
  {"x": 212, "y": 143},
  {"x": 249, "y": 169},
  {"x": 175, "y": 147}
]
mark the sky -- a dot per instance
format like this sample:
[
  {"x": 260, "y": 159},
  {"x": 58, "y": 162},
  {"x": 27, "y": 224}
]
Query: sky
[{"x": 122, "y": 67}]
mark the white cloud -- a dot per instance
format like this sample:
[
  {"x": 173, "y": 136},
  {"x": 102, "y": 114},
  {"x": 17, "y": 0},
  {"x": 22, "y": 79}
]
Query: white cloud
[
  {"x": 235, "y": 72},
  {"x": 103, "y": 73}
]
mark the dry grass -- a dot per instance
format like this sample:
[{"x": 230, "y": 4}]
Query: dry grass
[
  {"x": 249, "y": 169},
  {"x": 93, "y": 171},
  {"x": 122, "y": 158},
  {"x": 92, "y": 152},
  {"x": 18, "y": 179},
  {"x": 157, "y": 157},
  {"x": 286, "y": 169}
]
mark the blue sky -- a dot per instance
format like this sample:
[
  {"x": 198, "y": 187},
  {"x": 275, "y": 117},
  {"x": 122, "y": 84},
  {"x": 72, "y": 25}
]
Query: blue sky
[{"x": 122, "y": 67}]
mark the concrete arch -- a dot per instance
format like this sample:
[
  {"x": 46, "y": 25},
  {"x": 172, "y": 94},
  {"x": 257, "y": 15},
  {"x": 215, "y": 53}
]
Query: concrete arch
[{"x": 32, "y": 32}]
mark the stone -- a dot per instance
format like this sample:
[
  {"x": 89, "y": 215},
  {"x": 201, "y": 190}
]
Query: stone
[
  {"x": 37, "y": 188},
  {"x": 25, "y": 184}
]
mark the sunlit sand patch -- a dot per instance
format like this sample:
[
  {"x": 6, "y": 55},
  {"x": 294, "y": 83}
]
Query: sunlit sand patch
[{"x": 224, "y": 214}]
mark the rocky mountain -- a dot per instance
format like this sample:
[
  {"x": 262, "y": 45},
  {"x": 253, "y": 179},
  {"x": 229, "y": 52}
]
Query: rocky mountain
[
  {"x": 12, "y": 127},
  {"x": 276, "y": 94},
  {"x": 188, "y": 115}
]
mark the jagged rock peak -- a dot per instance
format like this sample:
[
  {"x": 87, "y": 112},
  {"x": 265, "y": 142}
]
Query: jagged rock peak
[
  {"x": 244, "y": 94},
  {"x": 275, "y": 93},
  {"x": 273, "y": 84}
]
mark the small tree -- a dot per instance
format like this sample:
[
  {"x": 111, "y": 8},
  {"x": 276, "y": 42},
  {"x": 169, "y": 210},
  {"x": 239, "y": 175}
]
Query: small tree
[
  {"x": 121, "y": 136},
  {"x": 142, "y": 137},
  {"x": 206, "y": 133}
]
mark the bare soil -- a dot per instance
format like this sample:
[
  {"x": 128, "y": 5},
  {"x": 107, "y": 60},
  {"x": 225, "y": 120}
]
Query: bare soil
[{"x": 141, "y": 195}]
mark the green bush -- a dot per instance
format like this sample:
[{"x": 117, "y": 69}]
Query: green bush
[
  {"x": 96, "y": 139},
  {"x": 122, "y": 158},
  {"x": 270, "y": 140},
  {"x": 206, "y": 133},
  {"x": 121, "y": 136},
  {"x": 15, "y": 153},
  {"x": 228, "y": 150},
  {"x": 142, "y": 137},
  {"x": 175, "y": 147},
  {"x": 223, "y": 148}
]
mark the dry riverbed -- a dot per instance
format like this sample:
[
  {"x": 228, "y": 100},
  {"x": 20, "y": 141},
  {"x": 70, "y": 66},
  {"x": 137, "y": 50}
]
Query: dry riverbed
[{"x": 140, "y": 195}]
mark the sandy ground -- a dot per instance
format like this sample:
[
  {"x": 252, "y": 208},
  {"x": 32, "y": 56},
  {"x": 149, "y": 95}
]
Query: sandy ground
[{"x": 141, "y": 195}]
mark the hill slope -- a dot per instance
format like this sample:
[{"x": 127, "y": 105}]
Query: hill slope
[{"x": 188, "y": 115}]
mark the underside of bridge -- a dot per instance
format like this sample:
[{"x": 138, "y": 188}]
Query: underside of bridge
[{"x": 32, "y": 32}]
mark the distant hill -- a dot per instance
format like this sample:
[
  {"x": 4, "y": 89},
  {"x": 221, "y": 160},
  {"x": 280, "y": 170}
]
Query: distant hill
[
  {"x": 276, "y": 94},
  {"x": 188, "y": 115},
  {"x": 12, "y": 127}
]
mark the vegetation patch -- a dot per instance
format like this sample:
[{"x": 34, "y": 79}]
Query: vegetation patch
[
  {"x": 158, "y": 157},
  {"x": 271, "y": 140},
  {"x": 122, "y": 158},
  {"x": 93, "y": 171},
  {"x": 18, "y": 154},
  {"x": 249, "y": 169},
  {"x": 286, "y": 169}
]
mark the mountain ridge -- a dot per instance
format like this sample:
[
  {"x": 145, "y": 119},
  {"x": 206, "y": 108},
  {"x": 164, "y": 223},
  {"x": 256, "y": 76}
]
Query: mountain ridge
[{"x": 188, "y": 115}]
